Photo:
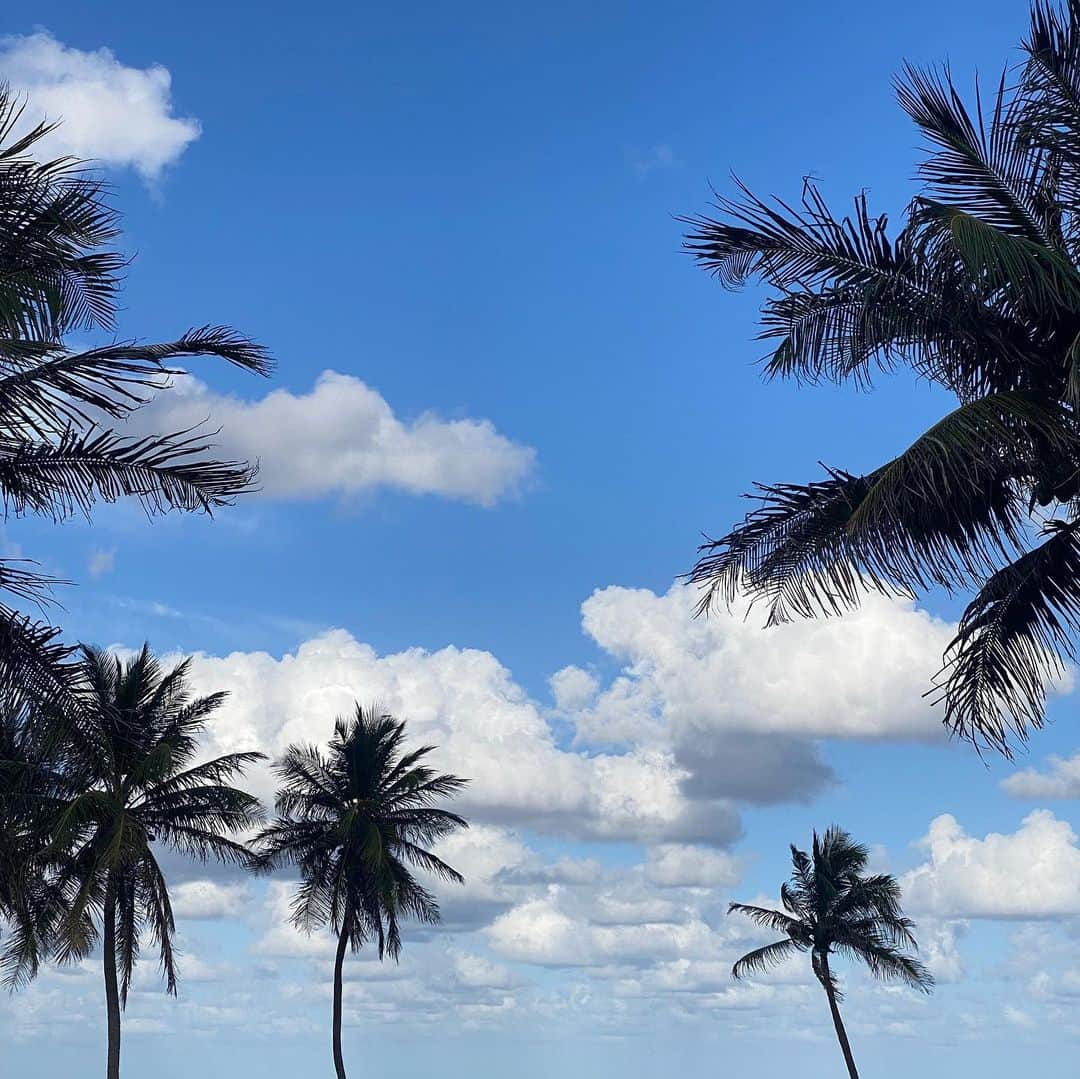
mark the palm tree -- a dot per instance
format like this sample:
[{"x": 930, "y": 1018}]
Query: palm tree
[
  {"x": 832, "y": 908},
  {"x": 58, "y": 454},
  {"x": 978, "y": 292},
  {"x": 132, "y": 789},
  {"x": 354, "y": 820},
  {"x": 27, "y": 781}
]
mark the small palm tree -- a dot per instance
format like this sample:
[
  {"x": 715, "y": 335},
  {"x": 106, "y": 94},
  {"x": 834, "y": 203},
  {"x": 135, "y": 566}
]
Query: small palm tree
[
  {"x": 131, "y": 789},
  {"x": 59, "y": 455},
  {"x": 832, "y": 908},
  {"x": 978, "y": 292},
  {"x": 354, "y": 820}
]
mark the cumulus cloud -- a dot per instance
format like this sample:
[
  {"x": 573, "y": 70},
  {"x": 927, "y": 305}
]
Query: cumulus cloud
[
  {"x": 113, "y": 114},
  {"x": 342, "y": 438},
  {"x": 208, "y": 899},
  {"x": 860, "y": 676},
  {"x": 1061, "y": 779},
  {"x": 1033, "y": 872},
  {"x": 542, "y": 932},
  {"x": 741, "y": 707},
  {"x": 702, "y": 715},
  {"x": 485, "y": 724},
  {"x": 675, "y": 865}
]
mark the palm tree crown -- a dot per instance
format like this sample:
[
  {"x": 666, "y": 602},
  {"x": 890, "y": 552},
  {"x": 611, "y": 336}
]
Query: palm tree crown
[
  {"x": 831, "y": 907},
  {"x": 131, "y": 789},
  {"x": 979, "y": 292},
  {"x": 356, "y": 820}
]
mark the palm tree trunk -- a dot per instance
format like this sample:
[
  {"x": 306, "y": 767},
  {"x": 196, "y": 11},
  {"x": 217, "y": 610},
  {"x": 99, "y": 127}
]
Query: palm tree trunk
[
  {"x": 112, "y": 992},
  {"x": 841, "y": 1034},
  {"x": 339, "y": 959}
]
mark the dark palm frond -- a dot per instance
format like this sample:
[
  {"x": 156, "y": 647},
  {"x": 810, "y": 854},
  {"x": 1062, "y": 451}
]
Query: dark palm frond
[
  {"x": 819, "y": 547},
  {"x": 981, "y": 166},
  {"x": 979, "y": 292},
  {"x": 49, "y": 389},
  {"x": 790, "y": 247},
  {"x": 766, "y": 918},
  {"x": 62, "y": 478},
  {"x": 1011, "y": 641},
  {"x": 886, "y": 961},
  {"x": 1049, "y": 90},
  {"x": 762, "y": 960},
  {"x": 56, "y": 274},
  {"x": 1030, "y": 276}
]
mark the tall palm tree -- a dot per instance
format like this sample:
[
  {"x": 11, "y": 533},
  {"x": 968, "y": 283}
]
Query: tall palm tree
[
  {"x": 832, "y": 908},
  {"x": 58, "y": 454},
  {"x": 979, "y": 292},
  {"x": 132, "y": 789},
  {"x": 355, "y": 820}
]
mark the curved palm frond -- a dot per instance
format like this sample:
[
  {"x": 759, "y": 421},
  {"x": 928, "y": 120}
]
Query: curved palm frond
[
  {"x": 1010, "y": 642},
  {"x": 762, "y": 960}
]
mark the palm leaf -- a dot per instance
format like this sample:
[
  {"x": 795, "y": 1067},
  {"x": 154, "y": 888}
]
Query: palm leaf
[{"x": 1010, "y": 642}]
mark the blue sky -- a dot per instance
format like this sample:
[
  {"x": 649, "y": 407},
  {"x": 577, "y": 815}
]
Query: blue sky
[{"x": 467, "y": 213}]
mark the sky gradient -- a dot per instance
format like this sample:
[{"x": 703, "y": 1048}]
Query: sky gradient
[{"x": 506, "y": 407}]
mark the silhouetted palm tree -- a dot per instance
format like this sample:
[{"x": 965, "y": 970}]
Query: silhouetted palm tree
[
  {"x": 978, "y": 292},
  {"x": 58, "y": 456},
  {"x": 28, "y": 780},
  {"x": 832, "y": 908},
  {"x": 354, "y": 820},
  {"x": 133, "y": 789}
]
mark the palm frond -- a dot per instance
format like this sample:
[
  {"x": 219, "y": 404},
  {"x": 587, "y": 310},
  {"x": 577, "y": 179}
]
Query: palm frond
[
  {"x": 1010, "y": 642},
  {"x": 762, "y": 960},
  {"x": 982, "y": 167},
  {"x": 171, "y": 472}
]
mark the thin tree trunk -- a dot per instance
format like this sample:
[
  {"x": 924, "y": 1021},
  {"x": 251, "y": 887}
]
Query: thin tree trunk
[
  {"x": 339, "y": 959},
  {"x": 112, "y": 992},
  {"x": 841, "y": 1033}
]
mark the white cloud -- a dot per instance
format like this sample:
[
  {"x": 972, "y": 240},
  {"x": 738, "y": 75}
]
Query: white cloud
[
  {"x": 208, "y": 899},
  {"x": 860, "y": 676},
  {"x": 541, "y": 931},
  {"x": 708, "y": 713},
  {"x": 1016, "y": 1017},
  {"x": 1060, "y": 780},
  {"x": 485, "y": 725},
  {"x": 676, "y": 865},
  {"x": 343, "y": 438},
  {"x": 573, "y": 688},
  {"x": 741, "y": 706},
  {"x": 101, "y": 561},
  {"x": 1031, "y": 873},
  {"x": 113, "y": 114}
]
